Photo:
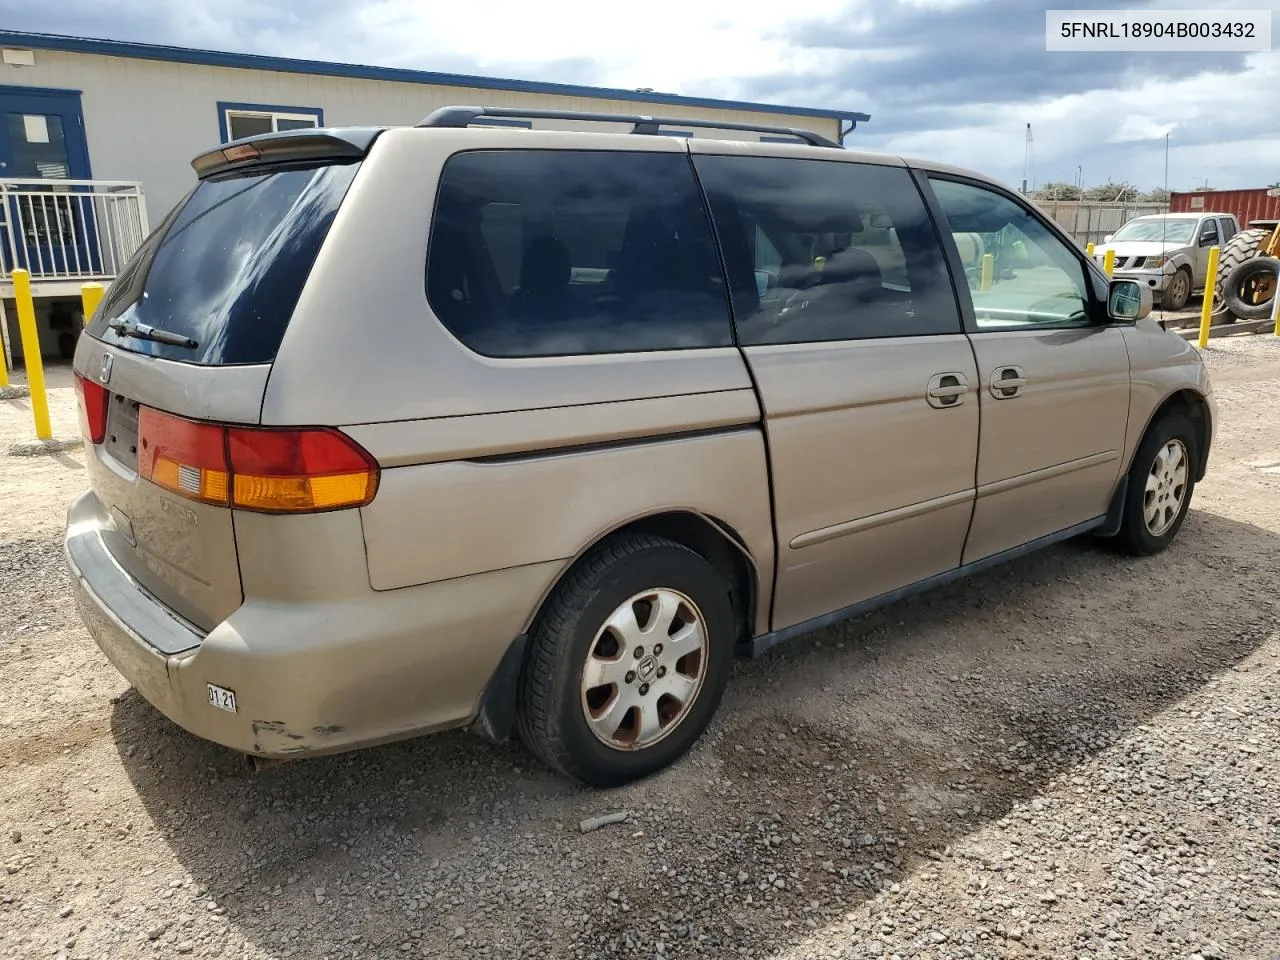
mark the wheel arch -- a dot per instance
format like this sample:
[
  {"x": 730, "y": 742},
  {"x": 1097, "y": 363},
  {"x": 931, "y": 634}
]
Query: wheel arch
[
  {"x": 708, "y": 536},
  {"x": 1195, "y": 407}
]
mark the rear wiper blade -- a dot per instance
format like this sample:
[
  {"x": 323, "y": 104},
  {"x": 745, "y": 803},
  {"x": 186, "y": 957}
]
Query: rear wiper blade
[{"x": 140, "y": 331}]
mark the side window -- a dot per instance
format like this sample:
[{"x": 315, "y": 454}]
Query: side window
[
  {"x": 1228, "y": 228},
  {"x": 1208, "y": 232},
  {"x": 820, "y": 250},
  {"x": 1019, "y": 273},
  {"x": 555, "y": 253}
]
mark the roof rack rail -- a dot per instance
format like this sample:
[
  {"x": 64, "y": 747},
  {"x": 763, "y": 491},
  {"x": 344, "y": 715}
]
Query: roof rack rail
[{"x": 465, "y": 116}]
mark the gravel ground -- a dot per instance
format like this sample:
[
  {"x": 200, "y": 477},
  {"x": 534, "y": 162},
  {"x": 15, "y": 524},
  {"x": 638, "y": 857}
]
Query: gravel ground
[{"x": 1077, "y": 756}]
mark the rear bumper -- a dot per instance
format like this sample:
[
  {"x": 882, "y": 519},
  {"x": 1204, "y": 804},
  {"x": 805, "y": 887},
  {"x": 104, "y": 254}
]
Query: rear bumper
[{"x": 310, "y": 677}]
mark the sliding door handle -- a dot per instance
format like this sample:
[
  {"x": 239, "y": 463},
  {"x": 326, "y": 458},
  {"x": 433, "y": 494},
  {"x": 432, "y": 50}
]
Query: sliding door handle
[{"x": 1007, "y": 382}]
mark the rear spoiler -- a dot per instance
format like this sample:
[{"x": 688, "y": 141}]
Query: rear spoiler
[{"x": 289, "y": 146}]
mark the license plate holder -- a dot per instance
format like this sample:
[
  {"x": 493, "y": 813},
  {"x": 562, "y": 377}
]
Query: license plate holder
[{"x": 121, "y": 441}]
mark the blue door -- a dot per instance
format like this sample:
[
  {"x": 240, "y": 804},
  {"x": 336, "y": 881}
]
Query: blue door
[{"x": 49, "y": 229}]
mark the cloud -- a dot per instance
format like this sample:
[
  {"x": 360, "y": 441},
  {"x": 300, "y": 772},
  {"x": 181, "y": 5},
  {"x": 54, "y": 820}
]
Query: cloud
[{"x": 952, "y": 79}]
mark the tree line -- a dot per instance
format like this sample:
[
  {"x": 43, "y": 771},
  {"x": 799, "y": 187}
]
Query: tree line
[{"x": 1105, "y": 192}]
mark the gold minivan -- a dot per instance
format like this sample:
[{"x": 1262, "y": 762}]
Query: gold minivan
[{"x": 403, "y": 429}]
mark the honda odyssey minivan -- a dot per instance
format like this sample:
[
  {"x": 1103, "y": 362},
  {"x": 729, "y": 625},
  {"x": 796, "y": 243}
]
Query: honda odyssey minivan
[{"x": 403, "y": 429}]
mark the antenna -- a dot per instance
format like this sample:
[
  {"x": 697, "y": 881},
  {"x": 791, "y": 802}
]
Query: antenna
[{"x": 1164, "y": 227}]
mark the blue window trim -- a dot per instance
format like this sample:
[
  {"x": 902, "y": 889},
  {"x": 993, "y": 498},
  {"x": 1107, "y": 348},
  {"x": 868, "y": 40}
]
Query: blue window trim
[
  {"x": 675, "y": 133},
  {"x": 503, "y": 122},
  {"x": 224, "y": 131},
  {"x": 42, "y": 91},
  {"x": 245, "y": 61}
]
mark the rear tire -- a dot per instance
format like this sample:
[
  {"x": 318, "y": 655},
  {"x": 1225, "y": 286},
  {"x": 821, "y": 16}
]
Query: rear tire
[
  {"x": 1161, "y": 481},
  {"x": 1243, "y": 246},
  {"x": 627, "y": 662}
]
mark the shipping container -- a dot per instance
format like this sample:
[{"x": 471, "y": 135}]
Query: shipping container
[{"x": 1247, "y": 205}]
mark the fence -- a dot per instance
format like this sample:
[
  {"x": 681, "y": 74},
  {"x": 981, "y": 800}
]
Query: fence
[
  {"x": 70, "y": 229},
  {"x": 1089, "y": 221}
]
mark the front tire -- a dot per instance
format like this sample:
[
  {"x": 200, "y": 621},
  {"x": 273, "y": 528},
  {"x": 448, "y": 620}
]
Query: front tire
[
  {"x": 1161, "y": 481},
  {"x": 1179, "y": 291},
  {"x": 627, "y": 662}
]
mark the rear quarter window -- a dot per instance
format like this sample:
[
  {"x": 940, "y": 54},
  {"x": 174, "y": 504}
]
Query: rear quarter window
[
  {"x": 554, "y": 253},
  {"x": 227, "y": 266}
]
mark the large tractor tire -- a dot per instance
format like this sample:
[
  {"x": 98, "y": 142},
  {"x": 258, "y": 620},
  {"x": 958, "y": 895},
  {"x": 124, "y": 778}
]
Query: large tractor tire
[
  {"x": 1243, "y": 246},
  {"x": 1249, "y": 289}
]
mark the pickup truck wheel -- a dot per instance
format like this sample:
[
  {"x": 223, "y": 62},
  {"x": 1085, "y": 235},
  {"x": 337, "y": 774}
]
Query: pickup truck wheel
[
  {"x": 1161, "y": 481},
  {"x": 1178, "y": 292},
  {"x": 627, "y": 662}
]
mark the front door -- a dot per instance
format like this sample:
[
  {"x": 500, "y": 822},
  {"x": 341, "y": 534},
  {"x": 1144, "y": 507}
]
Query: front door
[
  {"x": 50, "y": 228},
  {"x": 1054, "y": 375},
  {"x": 847, "y": 318},
  {"x": 1207, "y": 236}
]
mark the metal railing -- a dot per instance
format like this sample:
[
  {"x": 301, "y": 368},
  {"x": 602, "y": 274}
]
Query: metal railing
[{"x": 70, "y": 229}]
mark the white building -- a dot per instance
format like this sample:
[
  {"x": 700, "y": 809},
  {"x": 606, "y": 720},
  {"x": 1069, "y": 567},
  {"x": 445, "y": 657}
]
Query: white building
[{"x": 97, "y": 138}]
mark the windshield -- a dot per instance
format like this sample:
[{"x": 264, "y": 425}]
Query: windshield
[
  {"x": 227, "y": 266},
  {"x": 1168, "y": 229}
]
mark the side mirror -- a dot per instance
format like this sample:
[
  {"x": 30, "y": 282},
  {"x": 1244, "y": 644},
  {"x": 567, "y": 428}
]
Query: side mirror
[
  {"x": 1207, "y": 239},
  {"x": 1128, "y": 300}
]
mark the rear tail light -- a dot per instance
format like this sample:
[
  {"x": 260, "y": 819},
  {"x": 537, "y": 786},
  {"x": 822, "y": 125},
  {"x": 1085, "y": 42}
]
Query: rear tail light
[
  {"x": 253, "y": 468},
  {"x": 299, "y": 470},
  {"x": 93, "y": 409}
]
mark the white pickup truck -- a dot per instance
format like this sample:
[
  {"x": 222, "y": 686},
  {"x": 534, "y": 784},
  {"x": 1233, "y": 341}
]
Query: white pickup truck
[{"x": 1168, "y": 252}]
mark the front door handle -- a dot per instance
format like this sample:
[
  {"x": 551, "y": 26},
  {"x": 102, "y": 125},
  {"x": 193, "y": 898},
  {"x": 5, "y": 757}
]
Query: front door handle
[
  {"x": 1007, "y": 382},
  {"x": 947, "y": 390}
]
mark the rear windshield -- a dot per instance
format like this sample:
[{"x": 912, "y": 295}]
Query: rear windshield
[{"x": 227, "y": 266}]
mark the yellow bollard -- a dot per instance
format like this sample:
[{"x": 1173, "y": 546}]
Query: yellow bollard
[
  {"x": 90, "y": 297},
  {"x": 1088, "y": 248},
  {"x": 31, "y": 353},
  {"x": 1206, "y": 308},
  {"x": 1109, "y": 262},
  {"x": 988, "y": 270}
]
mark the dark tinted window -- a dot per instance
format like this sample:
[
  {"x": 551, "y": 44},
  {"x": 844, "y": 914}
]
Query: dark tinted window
[
  {"x": 824, "y": 250},
  {"x": 546, "y": 253},
  {"x": 227, "y": 266}
]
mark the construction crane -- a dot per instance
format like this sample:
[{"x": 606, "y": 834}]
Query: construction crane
[{"x": 1029, "y": 162}]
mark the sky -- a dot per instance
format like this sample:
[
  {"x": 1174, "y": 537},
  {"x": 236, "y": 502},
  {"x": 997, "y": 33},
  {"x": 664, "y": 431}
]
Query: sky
[{"x": 955, "y": 80}]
